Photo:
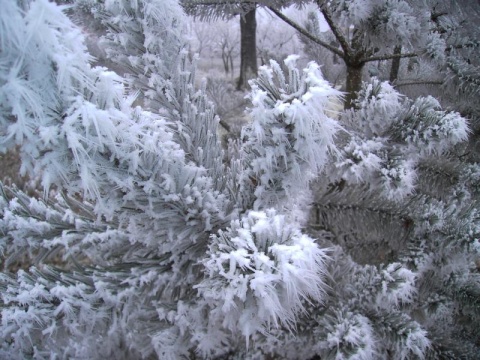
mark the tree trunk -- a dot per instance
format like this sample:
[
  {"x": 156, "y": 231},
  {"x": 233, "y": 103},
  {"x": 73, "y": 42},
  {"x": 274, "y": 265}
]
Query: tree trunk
[
  {"x": 231, "y": 63},
  {"x": 225, "y": 61},
  {"x": 354, "y": 84},
  {"x": 248, "y": 48},
  {"x": 395, "y": 65}
]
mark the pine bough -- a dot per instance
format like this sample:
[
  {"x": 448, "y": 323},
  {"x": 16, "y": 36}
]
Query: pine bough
[{"x": 146, "y": 244}]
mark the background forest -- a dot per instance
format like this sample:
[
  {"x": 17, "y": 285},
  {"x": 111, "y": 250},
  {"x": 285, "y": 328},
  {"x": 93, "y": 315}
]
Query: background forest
[{"x": 253, "y": 179}]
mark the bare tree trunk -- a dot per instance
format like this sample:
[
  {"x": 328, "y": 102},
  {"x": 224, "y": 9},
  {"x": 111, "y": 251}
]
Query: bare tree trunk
[
  {"x": 248, "y": 48},
  {"x": 354, "y": 84},
  {"x": 225, "y": 59},
  {"x": 231, "y": 62},
  {"x": 395, "y": 65}
]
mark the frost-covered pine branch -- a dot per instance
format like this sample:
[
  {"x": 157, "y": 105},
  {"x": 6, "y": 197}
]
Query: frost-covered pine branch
[
  {"x": 147, "y": 243},
  {"x": 140, "y": 196},
  {"x": 291, "y": 137},
  {"x": 399, "y": 194}
]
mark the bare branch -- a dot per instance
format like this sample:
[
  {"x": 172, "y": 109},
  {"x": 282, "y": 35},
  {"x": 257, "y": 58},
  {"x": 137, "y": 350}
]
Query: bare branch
[
  {"x": 305, "y": 33},
  {"x": 335, "y": 30},
  {"x": 420, "y": 82},
  {"x": 388, "y": 57},
  {"x": 470, "y": 44},
  {"x": 225, "y": 125}
]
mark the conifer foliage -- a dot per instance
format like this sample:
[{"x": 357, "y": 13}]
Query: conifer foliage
[{"x": 146, "y": 242}]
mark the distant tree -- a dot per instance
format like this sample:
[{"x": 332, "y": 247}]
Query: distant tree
[
  {"x": 246, "y": 10},
  {"x": 228, "y": 44},
  {"x": 203, "y": 39},
  {"x": 275, "y": 41},
  {"x": 216, "y": 38}
]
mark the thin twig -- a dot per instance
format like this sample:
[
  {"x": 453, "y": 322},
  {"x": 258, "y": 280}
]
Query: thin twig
[
  {"x": 347, "y": 49},
  {"x": 304, "y": 32}
]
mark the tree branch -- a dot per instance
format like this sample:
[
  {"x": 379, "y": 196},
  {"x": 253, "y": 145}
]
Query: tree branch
[
  {"x": 472, "y": 44},
  {"x": 305, "y": 33},
  {"x": 193, "y": 7},
  {"x": 264, "y": 3},
  {"x": 388, "y": 57},
  {"x": 225, "y": 125},
  {"x": 216, "y": 3},
  {"x": 335, "y": 30},
  {"x": 420, "y": 82}
]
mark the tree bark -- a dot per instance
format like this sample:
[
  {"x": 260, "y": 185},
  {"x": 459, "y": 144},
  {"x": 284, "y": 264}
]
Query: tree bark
[
  {"x": 354, "y": 84},
  {"x": 248, "y": 49},
  {"x": 395, "y": 65}
]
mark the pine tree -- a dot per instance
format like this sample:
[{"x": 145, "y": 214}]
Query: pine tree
[
  {"x": 365, "y": 32},
  {"x": 148, "y": 243},
  {"x": 402, "y": 199},
  {"x": 142, "y": 200}
]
